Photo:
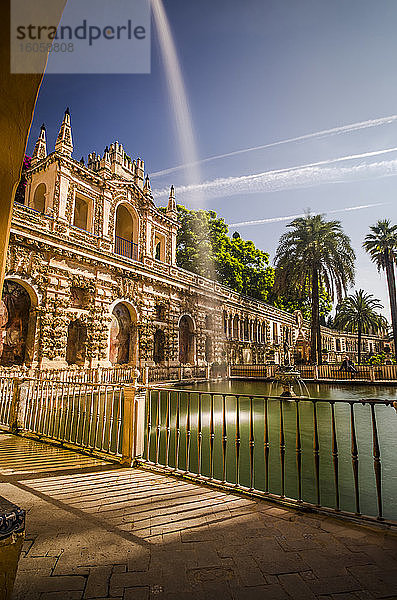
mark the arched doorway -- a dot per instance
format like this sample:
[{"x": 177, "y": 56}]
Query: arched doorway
[
  {"x": 123, "y": 336},
  {"x": 159, "y": 347},
  {"x": 126, "y": 233},
  {"x": 186, "y": 340},
  {"x": 14, "y": 322},
  {"x": 76, "y": 344}
]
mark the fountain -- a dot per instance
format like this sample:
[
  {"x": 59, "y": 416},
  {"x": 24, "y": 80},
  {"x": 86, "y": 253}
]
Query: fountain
[{"x": 287, "y": 376}]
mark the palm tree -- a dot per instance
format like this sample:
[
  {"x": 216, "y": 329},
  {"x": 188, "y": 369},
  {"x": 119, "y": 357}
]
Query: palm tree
[
  {"x": 381, "y": 245},
  {"x": 356, "y": 313},
  {"x": 315, "y": 253}
]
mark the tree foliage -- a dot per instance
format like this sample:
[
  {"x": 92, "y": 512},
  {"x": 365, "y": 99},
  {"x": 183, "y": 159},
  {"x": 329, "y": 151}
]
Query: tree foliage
[
  {"x": 204, "y": 247},
  {"x": 313, "y": 253},
  {"x": 357, "y": 314},
  {"x": 381, "y": 245}
]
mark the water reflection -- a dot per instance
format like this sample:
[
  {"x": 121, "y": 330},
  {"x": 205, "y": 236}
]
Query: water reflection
[{"x": 198, "y": 442}]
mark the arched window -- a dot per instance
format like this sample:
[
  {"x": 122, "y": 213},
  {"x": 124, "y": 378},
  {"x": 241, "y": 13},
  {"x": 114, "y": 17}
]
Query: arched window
[
  {"x": 159, "y": 346},
  {"x": 76, "y": 344},
  {"x": 122, "y": 338},
  {"x": 80, "y": 216},
  {"x": 126, "y": 234},
  {"x": 14, "y": 322},
  {"x": 39, "y": 198},
  {"x": 159, "y": 247},
  {"x": 186, "y": 340}
]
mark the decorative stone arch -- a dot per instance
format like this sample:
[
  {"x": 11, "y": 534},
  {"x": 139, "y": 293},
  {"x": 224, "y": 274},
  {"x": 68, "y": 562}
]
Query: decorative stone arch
[
  {"x": 18, "y": 318},
  {"x": 187, "y": 339},
  {"x": 126, "y": 230},
  {"x": 39, "y": 197},
  {"x": 123, "y": 333}
]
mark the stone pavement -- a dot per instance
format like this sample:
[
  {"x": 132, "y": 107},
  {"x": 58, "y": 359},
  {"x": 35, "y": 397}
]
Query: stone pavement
[{"x": 96, "y": 531}]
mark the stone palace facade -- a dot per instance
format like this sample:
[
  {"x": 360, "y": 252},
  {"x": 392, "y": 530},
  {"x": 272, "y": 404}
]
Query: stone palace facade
[{"x": 92, "y": 278}]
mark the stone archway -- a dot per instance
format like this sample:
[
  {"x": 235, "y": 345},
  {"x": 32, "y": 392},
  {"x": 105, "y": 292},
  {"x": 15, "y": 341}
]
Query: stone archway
[
  {"x": 17, "y": 324},
  {"x": 186, "y": 340},
  {"x": 123, "y": 336}
]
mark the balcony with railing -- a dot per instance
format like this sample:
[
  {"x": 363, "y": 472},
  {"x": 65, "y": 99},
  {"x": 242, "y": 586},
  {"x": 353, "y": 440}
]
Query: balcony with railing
[{"x": 125, "y": 248}]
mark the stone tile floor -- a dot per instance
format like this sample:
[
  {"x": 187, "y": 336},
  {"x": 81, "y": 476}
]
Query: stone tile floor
[{"x": 96, "y": 531}]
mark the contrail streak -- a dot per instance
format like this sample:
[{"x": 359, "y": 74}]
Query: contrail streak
[
  {"x": 316, "y": 135},
  {"x": 305, "y": 175},
  {"x": 290, "y": 217}
]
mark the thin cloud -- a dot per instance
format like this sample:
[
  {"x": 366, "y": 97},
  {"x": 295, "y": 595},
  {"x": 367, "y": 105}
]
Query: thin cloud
[
  {"x": 307, "y": 175},
  {"x": 316, "y": 135},
  {"x": 291, "y": 217}
]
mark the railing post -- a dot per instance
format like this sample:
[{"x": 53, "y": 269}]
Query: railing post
[
  {"x": 133, "y": 424},
  {"x": 208, "y": 372},
  {"x": 229, "y": 371},
  {"x": 372, "y": 373},
  {"x": 146, "y": 376},
  {"x": 18, "y": 404},
  {"x": 315, "y": 372},
  {"x": 180, "y": 373}
]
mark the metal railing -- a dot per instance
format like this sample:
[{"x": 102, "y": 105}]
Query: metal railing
[
  {"x": 85, "y": 416},
  {"x": 163, "y": 373},
  {"x": 336, "y": 372},
  {"x": 167, "y": 373},
  {"x": 385, "y": 372},
  {"x": 254, "y": 371},
  {"x": 6, "y": 396},
  {"x": 116, "y": 374},
  {"x": 125, "y": 247},
  {"x": 304, "y": 452},
  {"x": 326, "y": 372}
]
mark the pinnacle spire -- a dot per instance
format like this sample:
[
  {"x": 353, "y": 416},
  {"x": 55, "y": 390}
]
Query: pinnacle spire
[
  {"x": 64, "y": 143},
  {"x": 146, "y": 188},
  {"x": 171, "y": 207},
  {"x": 40, "y": 149}
]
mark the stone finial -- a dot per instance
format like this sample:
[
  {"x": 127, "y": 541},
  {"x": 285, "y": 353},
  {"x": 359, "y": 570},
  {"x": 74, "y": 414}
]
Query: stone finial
[
  {"x": 64, "y": 143},
  {"x": 40, "y": 149},
  {"x": 146, "y": 188},
  {"x": 171, "y": 207}
]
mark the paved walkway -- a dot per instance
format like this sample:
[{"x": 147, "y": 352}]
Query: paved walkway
[{"x": 95, "y": 531}]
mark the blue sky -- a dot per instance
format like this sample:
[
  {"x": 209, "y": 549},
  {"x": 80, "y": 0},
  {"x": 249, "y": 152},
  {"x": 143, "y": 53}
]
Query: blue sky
[{"x": 255, "y": 73}]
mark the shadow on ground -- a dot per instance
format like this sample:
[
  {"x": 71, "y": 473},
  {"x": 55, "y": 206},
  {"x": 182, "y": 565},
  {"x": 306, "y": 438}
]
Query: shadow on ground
[{"x": 97, "y": 531}]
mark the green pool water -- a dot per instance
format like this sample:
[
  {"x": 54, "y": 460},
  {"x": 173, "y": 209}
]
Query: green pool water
[{"x": 386, "y": 420}]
